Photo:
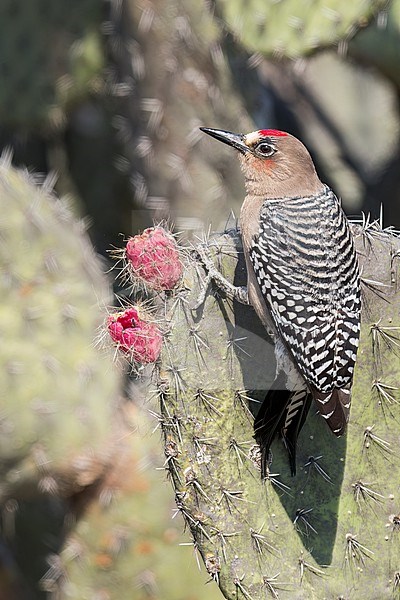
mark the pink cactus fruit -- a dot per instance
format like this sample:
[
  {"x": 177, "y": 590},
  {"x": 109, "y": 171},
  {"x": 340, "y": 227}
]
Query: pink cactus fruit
[
  {"x": 154, "y": 258},
  {"x": 135, "y": 336}
]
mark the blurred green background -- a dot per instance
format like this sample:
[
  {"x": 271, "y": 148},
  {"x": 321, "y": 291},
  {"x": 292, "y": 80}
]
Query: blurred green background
[{"x": 109, "y": 95}]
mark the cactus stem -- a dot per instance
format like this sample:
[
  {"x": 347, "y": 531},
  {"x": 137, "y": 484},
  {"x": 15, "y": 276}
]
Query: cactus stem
[{"x": 221, "y": 493}]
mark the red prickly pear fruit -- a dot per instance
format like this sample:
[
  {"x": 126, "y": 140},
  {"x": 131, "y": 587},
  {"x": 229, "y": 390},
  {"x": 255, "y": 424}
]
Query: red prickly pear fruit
[
  {"x": 135, "y": 336},
  {"x": 153, "y": 257}
]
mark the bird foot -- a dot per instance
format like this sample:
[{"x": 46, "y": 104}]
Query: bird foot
[{"x": 238, "y": 293}]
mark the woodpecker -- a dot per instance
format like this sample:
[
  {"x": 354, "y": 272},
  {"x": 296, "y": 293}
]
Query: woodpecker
[{"x": 303, "y": 282}]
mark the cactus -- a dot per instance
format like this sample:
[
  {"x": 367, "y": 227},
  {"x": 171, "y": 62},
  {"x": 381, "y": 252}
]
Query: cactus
[
  {"x": 126, "y": 546},
  {"x": 331, "y": 530},
  {"x": 293, "y": 29},
  {"x": 58, "y": 391}
]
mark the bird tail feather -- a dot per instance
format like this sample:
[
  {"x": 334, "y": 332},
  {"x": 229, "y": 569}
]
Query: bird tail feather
[
  {"x": 334, "y": 407},
  {"x": 282, "y": 412},
  {"x": 298, "y": 407}
]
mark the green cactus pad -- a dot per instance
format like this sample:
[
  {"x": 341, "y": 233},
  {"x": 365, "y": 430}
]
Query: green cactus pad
[
  {"x": 57, "y": 389},
  {"x": 333, "y": 530},
  {"x": 127, "y": 546},
  {"x": 295, "y": 28}
]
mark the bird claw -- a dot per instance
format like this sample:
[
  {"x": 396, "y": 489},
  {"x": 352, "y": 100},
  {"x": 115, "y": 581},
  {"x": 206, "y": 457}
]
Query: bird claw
[
  {"x": 233, "y": 292},
  {"x": 202, "y": 296}
]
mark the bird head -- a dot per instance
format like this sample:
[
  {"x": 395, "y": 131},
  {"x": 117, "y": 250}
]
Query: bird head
[{"x": 275, "y": 163}]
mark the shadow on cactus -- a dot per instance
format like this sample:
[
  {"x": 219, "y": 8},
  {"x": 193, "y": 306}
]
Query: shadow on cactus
[
  {"x": 322, "y": 489},
  {"x": 333, "y": 528}
]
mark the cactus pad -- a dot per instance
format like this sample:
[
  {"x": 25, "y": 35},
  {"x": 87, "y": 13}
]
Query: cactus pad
[
  {"x": 331, "y": 530},
  {"x": 58, "y": 390},
  {"x": 292, "y": 28}
]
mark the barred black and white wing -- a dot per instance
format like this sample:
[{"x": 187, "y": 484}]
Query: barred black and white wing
[{"x": 306, "y": 267}]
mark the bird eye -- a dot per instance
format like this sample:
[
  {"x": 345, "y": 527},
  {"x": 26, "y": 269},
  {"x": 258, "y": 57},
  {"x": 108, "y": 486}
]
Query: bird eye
[{"x": 265, "y": 149}]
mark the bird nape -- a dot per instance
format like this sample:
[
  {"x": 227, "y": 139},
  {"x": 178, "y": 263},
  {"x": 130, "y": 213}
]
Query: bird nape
[{"x": 302, "y": 281}]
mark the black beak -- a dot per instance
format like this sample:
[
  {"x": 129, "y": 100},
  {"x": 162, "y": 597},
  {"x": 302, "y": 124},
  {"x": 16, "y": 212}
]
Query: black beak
[{"x": 236, "y": 140}]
